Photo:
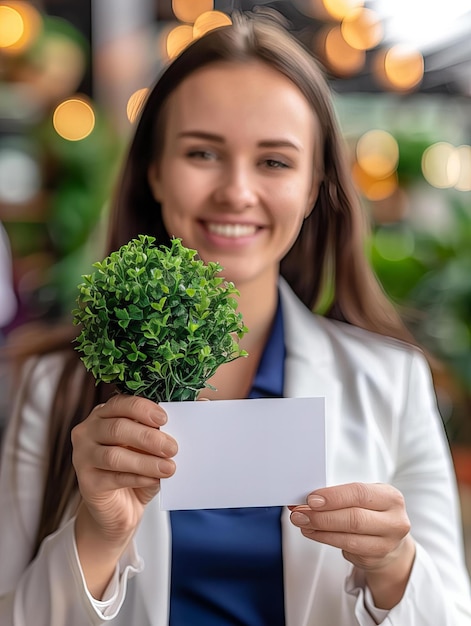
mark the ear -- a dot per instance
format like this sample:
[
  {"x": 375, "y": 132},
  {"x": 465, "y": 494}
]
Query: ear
[{"x": 153, "y": 178}]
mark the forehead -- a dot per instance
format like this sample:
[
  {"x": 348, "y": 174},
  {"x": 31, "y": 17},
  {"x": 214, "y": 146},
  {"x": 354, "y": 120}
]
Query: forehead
[{"x": 252, "y": 96}]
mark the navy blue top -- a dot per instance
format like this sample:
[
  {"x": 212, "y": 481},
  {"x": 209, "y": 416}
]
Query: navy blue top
[{"x": 227, "y": 566}]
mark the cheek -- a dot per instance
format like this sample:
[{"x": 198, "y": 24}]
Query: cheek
[
  {"x": 179, "y": 210},
  {"x": 294, "y": 204}
]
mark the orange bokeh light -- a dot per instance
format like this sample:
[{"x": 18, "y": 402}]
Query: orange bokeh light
[
  {"x": 400, "y": 68},
  {"x": 74, "y": 119},
  {"x": 135, "y": 104},
  {"x": 209, "y": 21},
  {"x": 190, "y": 10},
  {"x": 372, "y": 188},
  {"x": 339, "y": 9},
  {"x": 20, "y": 25},
  {"x": 339, "y": 56},
  {"x": 178, "y": 39},
  {"x": 362, "y": 29}
]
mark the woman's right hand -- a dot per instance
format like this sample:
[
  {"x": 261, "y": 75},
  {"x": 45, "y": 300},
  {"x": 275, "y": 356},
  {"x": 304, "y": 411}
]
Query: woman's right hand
[{"x": 120, "y": 455}]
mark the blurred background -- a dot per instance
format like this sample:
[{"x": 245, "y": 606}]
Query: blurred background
[{"x": 73, "y": 74}]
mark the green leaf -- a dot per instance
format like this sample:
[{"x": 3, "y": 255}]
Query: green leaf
[{"x": 157, "y": 321}]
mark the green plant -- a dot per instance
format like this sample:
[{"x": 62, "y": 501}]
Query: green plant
[{"x": 157, "y": 321}]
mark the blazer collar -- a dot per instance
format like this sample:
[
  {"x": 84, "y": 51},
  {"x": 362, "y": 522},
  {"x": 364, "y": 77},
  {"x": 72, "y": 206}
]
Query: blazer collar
[{"x": 307, "y": 347}]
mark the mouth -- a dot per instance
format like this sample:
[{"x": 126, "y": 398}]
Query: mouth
[{"x": 231, "y": 231}]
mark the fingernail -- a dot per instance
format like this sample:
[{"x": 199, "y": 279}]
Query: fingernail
[
  {"x": 159, "y": 417},
  {"x": 315, "y": 501},
  {"x": 170, "y": 448},
  {"x": 300, "y": 519},
  {"x": 166, "y": 467}
]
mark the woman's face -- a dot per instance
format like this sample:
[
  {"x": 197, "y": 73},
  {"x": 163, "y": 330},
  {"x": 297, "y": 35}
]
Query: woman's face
[{"x": 236, "y": 176}]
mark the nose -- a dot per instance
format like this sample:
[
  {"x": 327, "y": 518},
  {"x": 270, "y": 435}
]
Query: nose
[{"x": 236, "y": 187}]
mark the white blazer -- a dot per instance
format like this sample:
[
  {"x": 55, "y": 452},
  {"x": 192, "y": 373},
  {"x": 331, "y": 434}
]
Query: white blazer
[{"x": 382, "y": 426}]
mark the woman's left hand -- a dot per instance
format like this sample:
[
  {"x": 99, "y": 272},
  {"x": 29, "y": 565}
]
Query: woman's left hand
[{"x": 369, "y": 523}]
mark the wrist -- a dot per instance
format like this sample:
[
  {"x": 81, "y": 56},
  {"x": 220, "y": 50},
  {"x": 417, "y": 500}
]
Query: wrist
[
  {"x": 98, "y": 552},
  {"x": 388, "y": 583}
]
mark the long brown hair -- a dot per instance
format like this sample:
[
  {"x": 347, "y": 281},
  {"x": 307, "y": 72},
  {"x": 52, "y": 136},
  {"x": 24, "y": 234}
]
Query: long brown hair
[{"x": 328, "y": 251}]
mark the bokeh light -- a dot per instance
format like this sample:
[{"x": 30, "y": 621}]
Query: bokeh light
[
  {"x": 135, "y": 104},
  {"x": 178, "y": 39},
  {"x": 452, "y": 335},
  {"x": 441, "y": 165},
  {"x": 20, "y": 25},
  {"x": 374, "y": 188},
  {"x": 338, "y": 55},
  {"x": 209, "y": 21},
  {"x": 401, "y": 67},
  {"x": 20, "y": 178},
  {"x": 394, "y": 245},
  {"x": 464, "y": 178},
  {"x": 61, "y": 63},
  {"x": 189, "y": 10},
  {"x": 362, "y": 29},
  {"x": 339, "y": 9},
  {"x": 377, "y": 153},
  {"x": 74, "y": 119},
  {"x": 11, "y": 26}
]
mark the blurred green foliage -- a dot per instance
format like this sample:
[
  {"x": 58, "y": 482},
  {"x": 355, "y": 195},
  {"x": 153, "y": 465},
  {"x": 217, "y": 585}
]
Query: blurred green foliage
[{"x": 430, "y": 281}]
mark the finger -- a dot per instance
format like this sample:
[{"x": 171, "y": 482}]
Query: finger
[
  {"x": 109, "y": 481},
  {"x": 376, "y": 497},
  {"x": 123, "y": 460},
  {"x": 133, "y": 407},
  {"x": 127, "y": 432},
  {"x": 354, "y": 520},
  {"x": 371, "y": 545}
]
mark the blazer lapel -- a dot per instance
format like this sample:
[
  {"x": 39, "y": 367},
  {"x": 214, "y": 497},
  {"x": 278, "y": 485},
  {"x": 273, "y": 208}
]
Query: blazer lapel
[{"x": 309, "y": 372}]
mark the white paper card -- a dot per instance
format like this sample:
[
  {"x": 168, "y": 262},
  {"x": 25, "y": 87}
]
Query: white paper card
[{"x": 245, "y": 453}]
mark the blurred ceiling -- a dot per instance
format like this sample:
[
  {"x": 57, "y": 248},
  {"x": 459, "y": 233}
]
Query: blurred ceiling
[{"x": 440, "y": 29}]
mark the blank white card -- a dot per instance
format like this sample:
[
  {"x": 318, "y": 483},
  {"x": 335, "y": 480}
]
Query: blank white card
[{"x": 245, "y": 453}]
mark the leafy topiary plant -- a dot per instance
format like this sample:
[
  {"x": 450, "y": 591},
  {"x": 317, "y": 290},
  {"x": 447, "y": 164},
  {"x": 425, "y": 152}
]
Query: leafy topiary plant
[{"x": 157, "y": 321}]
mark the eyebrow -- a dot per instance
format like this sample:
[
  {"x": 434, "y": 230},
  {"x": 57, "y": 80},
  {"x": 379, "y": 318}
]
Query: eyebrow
[{"x": 266, "y": 143}]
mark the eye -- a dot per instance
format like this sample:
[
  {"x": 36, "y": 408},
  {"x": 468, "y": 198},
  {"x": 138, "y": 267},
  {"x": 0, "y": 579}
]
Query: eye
[
  {"x": 276, "y": 164},
  {"x": 204, "y": 155}
]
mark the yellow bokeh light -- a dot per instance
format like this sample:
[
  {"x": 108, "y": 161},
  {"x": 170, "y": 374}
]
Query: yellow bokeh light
[
  {"x": 338, "y": 9},
  {"x": 403, "y": 67},
  {"x": 20, "y": 25},
  {"x": 373, "y": 188},
  {"x": 74, "y": 119},
  {"x": 441, "y": 165},
  {"x": 190, "y": 10},
  {"x": 11, "y": 26},
  {"x": 377, "y": 153},
  {"x": 362, "y": 29},
  {"x": 178, "y": 39},
  {"x": 341, "y": 58},
  {"x": 464, "y": 178},
  {"x": 135, "y": 104},
  {"x": 209, "y": 21}
]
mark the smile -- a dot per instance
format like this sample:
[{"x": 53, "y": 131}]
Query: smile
[{"x": 232, "y": 230}]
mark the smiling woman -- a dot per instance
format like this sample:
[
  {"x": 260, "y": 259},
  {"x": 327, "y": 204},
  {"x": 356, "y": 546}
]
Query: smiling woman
[{"x": 237, "y": 152}]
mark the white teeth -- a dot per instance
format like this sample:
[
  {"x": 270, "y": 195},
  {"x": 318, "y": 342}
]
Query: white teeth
[{"x": 232, "y": 230}]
